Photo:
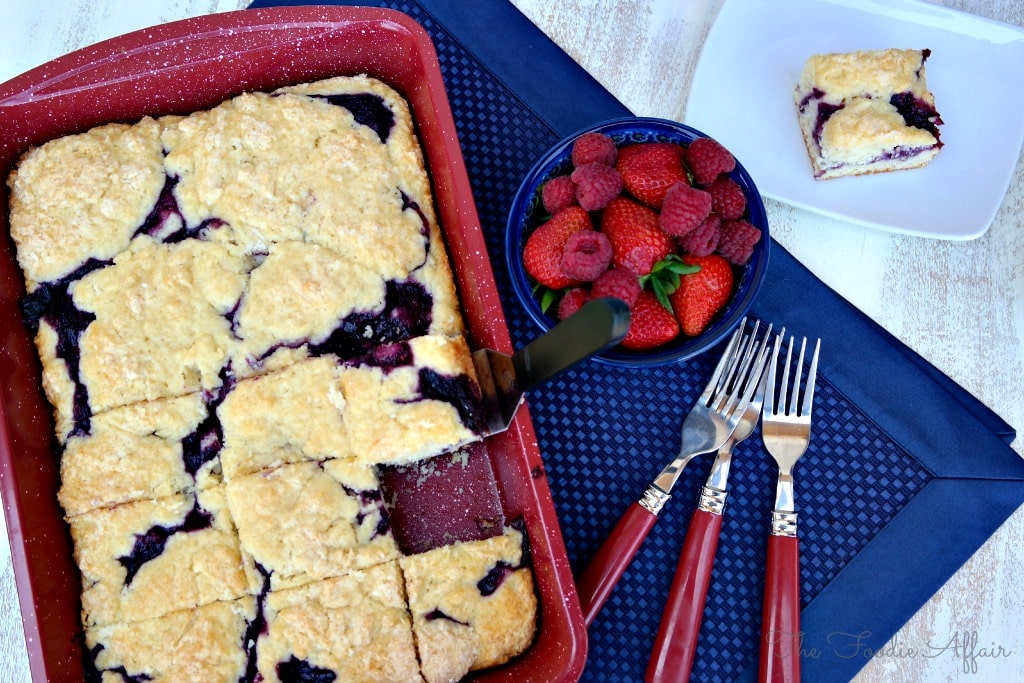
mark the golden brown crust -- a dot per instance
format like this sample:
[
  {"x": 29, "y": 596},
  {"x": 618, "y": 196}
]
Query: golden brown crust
[
  {"x": 218, "y": 440},
  {"x": 205, "y": 644},
  {"x": 356, "y": 626},
  {"x": 458, "y": 627}
]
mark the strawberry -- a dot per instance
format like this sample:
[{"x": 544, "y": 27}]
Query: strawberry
[
  {"x": 649, "y": 169},
  {"x": 542, "y": 255},
  {"x": 637, "y": 241},
  {"x": 701, "y": 295},
  {"x": 651, "y": 324}
]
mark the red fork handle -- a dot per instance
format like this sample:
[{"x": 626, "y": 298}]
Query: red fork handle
[
  {"x": 780, "y": 622},
  {"x": 676, "y": 642},
  {"x": 610, "y": 562}
]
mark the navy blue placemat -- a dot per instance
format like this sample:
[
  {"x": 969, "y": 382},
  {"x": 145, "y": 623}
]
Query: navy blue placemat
[{"x": 881, "y": 490}]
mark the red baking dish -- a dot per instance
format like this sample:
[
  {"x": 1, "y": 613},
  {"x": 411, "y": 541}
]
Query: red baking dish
[{"x": 193, "y": 64}]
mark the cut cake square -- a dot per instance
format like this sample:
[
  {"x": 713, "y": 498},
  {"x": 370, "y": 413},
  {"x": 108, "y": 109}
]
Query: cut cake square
[{"x": 867, "y": 112}]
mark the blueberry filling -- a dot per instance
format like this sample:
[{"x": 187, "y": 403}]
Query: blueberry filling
[
  {"x": 256, "y": 628},
  {"x": 406, "y": 314},
  {"x": 150, "y": 545},
  {"x": 494, "y": 578},
  {"x": 917, "y": 112},
  {"x": 409, "y": 203},
  {"x": 437, "y": 613},
  {"x": 825, "y": 112},
  {"x": 94, "y": 675},
  {"x": 388, "y": 356},
  {"x": 372, "y": 503},
  {"x": 165, "y": 214},
  {"x": 458, "y": 391},
  {"x": 53, "y": 302},
  {"x": 165, "y": 222},
  {"x": 295, "y": 670},
  {"x": 368, "y": 109}
]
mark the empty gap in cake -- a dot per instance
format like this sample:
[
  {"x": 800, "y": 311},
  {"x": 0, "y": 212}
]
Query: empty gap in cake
[
  {"x": 446, "y": 499},
  {"x": 367, "y": 109},
  {"x": 151, "y": 544}
]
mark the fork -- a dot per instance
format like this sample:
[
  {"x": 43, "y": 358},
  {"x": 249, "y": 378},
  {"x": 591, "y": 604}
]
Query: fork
[
  {"x": 786, "y": 431},
  {"x": 706, "y": 428},
  {"x": 676, "y": 642}
]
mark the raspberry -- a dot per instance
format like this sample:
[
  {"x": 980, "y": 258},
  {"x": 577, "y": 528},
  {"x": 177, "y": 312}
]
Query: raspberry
[
  {"x": 703, "y": 240},
  {"x": 572, "y": 301},
  {"x": 593, "y": 148},
  {"x": 707, "y": 159},
  {"x": 618, "y": 283},
  {"x": 557, "y": 194},
  {"x": 684, "y": 209},
  {"x": 596, "y": 185},
  {"x": 587, "y": 254},
  {"x": 737, "y": 241},
  {"x": 727, "y": 198}
]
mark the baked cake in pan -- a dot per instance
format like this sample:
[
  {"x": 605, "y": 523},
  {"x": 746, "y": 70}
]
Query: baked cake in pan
[
  {"x": 240, "y": 314},
  {"x": 867, "y": 112}
]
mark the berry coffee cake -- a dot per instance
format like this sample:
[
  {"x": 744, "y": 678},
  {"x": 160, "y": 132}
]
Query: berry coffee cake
[
  {"x": 867, "y": 112},
  {"x": 240, "y": 314}
]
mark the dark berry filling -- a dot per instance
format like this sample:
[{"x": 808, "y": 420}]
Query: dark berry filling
[
  {"x": 406, "y": 314},
  {"x": 388, "y": 356},
  {"x": 458, "y": 391},
  {"x": 437, "y": 613},
  {"x": 494, "y": 578},
  {"x": 917, "y": 113},
  {"x": 409, "y": 203},
  {"x": 368, "y": 109},
  {"x": 94, "y": 675},
  {"x": 255, "y": 629},
  {"x": 150, "y": 545},
  {"x": 295, "y": 670},
  {"x": 825, "y": 112},
  {"x": 53, "y": 302},
  {"x": 371, "y": 503},
  {"x": 165, "y": 216}
]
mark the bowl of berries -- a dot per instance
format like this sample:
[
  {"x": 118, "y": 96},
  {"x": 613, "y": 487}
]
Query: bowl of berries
[{"x": 650, "y": 211}]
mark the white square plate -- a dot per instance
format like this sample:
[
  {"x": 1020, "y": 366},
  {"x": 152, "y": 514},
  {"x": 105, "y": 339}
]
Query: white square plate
[{"x": 742, "y": 95}]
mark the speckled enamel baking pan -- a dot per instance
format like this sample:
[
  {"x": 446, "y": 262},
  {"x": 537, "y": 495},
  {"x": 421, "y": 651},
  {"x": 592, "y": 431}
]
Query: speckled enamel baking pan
[{"x": 194, "y": 64}]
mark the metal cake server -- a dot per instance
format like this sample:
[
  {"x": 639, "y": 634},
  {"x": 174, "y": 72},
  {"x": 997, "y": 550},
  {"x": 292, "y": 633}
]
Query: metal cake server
[{"x": 505, "y": 379}]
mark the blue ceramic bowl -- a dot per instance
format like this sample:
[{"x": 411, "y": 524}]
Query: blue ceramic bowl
[{"x": 527, "y": 212}]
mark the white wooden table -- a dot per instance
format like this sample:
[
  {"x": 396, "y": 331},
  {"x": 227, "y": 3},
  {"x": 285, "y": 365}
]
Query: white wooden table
[{"x": 958, "y": 304}]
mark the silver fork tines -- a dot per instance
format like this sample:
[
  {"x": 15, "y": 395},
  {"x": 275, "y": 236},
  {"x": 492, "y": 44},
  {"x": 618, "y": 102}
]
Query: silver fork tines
[
  {"x": 786, "y": 425},
  {"x": 719, "y": 409}
]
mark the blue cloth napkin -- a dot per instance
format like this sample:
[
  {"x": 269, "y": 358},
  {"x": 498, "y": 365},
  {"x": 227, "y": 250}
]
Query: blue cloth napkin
[{"x": 906, "y": 476}]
